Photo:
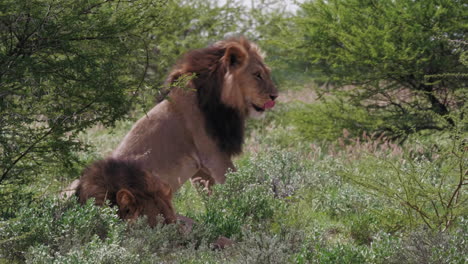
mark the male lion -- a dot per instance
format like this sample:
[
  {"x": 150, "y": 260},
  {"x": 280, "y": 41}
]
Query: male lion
[
  {"x": 199, "y": 128},
  {"x": 126, "y": 185}
]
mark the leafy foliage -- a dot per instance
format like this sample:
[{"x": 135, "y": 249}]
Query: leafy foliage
[
  {"x": 191, "y": 25},
  {"x": 59, "y": 227},
  {"x": 433, "y": 247},
  {"x": 249, "y": 201},
  {"x": 327, "y": 119},
  {"x": 380, "y": 54},
  {"x": 430, "y": 186},
  {"x": 66, "y": 65}
]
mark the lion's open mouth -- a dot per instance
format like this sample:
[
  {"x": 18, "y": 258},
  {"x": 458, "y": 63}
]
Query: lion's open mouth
[{"x": 257, "y": 108}]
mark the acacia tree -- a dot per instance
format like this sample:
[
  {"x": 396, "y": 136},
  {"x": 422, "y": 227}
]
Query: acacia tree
[
  {"x": 191, "y": 24},
  {"x": 66, "y": 65},
  {"x": 394, "y": 57}
]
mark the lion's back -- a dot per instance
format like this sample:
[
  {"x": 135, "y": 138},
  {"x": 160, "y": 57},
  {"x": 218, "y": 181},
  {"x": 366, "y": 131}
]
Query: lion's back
[{"x": 158, "y": 137}]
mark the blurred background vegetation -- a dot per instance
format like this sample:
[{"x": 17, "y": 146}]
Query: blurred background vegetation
[{"x": 362, "y": 161}]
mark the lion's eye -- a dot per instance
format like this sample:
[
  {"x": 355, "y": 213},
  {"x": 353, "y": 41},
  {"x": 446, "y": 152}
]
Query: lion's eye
[{"x": 258, "y": 76}]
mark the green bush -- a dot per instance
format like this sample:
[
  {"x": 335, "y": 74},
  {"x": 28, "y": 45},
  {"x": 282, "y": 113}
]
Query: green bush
[
  {"x": 421, "y": 246},
  {"x": 268, "y": 247},
  {"x": 251, "y": 195},
  {"x": 67, "y": 65},
  {"x": 429, "y": 188},
  {"x": 318, "y": 249},
  {"x": 57, "y": 231},
  {"x": 243, "y": 200},
  {"x": 92, "y": 252},
  {"x": 427, "y": 246},
  {"x": 328, "y": 119},
  {"x": 59, "y": 228},
  {"x": 392, "y": 56}
]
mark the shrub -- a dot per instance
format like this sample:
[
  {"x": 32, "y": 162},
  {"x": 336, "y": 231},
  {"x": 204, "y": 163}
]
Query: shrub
[
  {"x": 316, "y": 249},
  {"x": 57, "y": 231},
  {"x": 427, "y": 184},
  {"x": 390, "y": 56},
  {"x": 92, "y": 252},
  {"x": 242, "y": 200},
  {"x": 427, "y": 246},
  {"x": 58, "y": 228},
  {"x": 266, "y": 247},
  {"x": 252, "y": 194},
  {"x": 326, "y": 120},
  {"x": 66, "y": 66}
]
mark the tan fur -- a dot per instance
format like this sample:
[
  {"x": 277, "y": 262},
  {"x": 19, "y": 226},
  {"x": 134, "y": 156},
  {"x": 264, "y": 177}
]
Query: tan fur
[{"x": 172, "y": 141}]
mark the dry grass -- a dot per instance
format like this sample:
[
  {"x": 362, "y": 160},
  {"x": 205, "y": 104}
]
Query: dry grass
[
  {"x": 306, "y": 95},
  {"x": 354, "y": 148}
]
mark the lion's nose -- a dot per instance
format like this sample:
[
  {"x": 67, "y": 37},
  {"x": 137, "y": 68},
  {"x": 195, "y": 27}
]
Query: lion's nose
[{"x": 273, "y": 96}]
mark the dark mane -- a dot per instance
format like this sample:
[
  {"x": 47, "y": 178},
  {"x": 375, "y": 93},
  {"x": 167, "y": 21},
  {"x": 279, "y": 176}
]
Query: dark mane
[
  {"x": 224, "y": 124},
  {"x": 108, "y": 176}
]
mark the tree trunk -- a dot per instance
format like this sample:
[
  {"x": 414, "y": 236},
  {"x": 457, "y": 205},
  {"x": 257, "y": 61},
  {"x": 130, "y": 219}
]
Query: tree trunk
[{"x": 436, "y": 105}]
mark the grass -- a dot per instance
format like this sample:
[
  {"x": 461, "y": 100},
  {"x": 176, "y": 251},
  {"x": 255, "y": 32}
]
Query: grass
[{"x": 296, "y": 198}]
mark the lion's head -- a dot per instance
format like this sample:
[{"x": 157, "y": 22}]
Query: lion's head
[
  {"x": 125, "y": 184},
  {"x": 247, "y": 82},
  {"x": 232, "y": 83}
]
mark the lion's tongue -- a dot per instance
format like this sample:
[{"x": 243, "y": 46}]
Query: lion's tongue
[{"x": 269, "y": 104}]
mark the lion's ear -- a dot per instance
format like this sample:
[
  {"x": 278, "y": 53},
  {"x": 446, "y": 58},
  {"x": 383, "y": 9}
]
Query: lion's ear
[
  {"x": 235, "y": 57},
  {"x": 125, "y": 199}
]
